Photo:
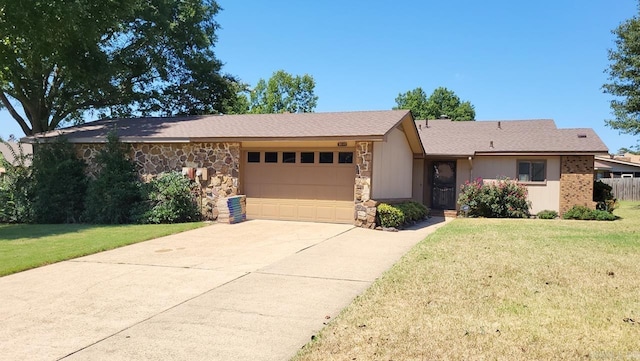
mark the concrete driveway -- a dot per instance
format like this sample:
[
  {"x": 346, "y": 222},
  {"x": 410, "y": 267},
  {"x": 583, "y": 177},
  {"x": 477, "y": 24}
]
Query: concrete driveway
[{"x": 253, "y": 291}]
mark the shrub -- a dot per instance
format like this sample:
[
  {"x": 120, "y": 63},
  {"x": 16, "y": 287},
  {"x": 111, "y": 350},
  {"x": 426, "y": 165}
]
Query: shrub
[
  {"x": 401, "y": 213},
  {"x": 547, "y": 214},
  {"x": 59, "y": 183},
  {"x": 15, "y": 187},
  {"x": 503, "y": 198},
  {"x": 413, "y": 211},
  {"x": 587, "y": 214},
  {"x": 170, "y": 200},
  {"x": 116, "y": 189},
  {"x": 389, "y": 216},
  {"x": 603, "y": 195}
]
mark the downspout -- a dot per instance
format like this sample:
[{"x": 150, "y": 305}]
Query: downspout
[{"x": 470, "y": 169}]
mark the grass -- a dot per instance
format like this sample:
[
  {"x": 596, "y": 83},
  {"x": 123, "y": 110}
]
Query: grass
[
  {"x": 26, "y": 246},
  {"x": 497, "y": 289}
]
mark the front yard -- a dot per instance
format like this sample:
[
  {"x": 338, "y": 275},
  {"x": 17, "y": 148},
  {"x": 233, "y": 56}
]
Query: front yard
[
  {"x": 32, "y": 245},
  {"x": 501, "y": 289}
]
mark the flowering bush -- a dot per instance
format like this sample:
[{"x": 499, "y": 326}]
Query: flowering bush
[{"x": 503, "y": 198}]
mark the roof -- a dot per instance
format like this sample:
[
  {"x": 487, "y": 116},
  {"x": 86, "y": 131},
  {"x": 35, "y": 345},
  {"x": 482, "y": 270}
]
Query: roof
[
  {"x": 603, "y": 163},
  {"x": 467, "y": 138},
  {"x": 348, "y": 125}
]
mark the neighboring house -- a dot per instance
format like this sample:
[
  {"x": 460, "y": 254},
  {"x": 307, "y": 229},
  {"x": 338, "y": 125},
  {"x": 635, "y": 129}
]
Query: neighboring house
[
  {"x": 608, "y": 167},
  {"x": 8, "y": 154},
  {"x": 556, "y": 165},
  {"x": 323, "y": 167}
]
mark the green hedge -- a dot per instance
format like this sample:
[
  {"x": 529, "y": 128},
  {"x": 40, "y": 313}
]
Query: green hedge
[
  {"x": 587, "y": 214},
  {"x": 400, "y": 214}
]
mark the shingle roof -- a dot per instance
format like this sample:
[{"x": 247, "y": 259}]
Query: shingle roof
[
  {"x": 449, "y": 138},
  {"x": 297, "y": 125}
]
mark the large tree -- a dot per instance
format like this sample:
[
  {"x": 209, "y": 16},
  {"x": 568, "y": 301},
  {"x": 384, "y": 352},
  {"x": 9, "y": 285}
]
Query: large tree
[
  {"x": 442, "y": 102},
  {"x": 624, "y": 78},
  {"x": 282, "y": 93},
  {"x": 62, "y": 59}
]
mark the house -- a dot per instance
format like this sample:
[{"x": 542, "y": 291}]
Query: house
[
  {"x": 335, "y": 167},
  {"x": 556, "y": 165},
  {"x": 7, "y": 152},
  {"x": 325, "y": 167},
  {"x": 615, "y": 167}
]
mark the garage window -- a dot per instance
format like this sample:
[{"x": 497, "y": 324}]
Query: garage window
[
  {"x": 271, "y": 157},
  {"x": 253, "y": 157},
  {"x": 326, "y": 157},
  {"x": 345, "y": 157},
  {"x": 307, "y": 157},
  {"x": 288, "y": 157}
]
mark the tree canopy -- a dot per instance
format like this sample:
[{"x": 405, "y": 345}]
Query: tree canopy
[
  {"x": 282, "y": 93},
  {"x": 442, "y": 102},
  {"x": 62, "y": 59},
  {"x": 624, "y": 78}
]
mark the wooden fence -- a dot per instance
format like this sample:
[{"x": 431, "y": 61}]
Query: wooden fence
[{"x": 624, "y": 189}]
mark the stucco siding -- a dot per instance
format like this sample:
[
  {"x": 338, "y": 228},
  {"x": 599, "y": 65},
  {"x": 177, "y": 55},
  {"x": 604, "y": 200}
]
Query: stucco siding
[
  {"x": 392, "y": 167},
  {"x": 545, "y": 195}
]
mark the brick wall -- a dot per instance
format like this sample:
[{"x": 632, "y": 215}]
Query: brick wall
[{"x": 576, "y": 182}]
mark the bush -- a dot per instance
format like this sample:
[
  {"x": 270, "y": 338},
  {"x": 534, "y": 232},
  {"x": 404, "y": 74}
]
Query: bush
[
  {"x": 547, "y": 214},
  {"x": 116, "y": 189},
  {"x": 59, "y": 183},
  {"x": 389, "y": 216},
  {"x": 170, "y": 200},
  {"x": 503, "y": 198},
  {"x": 603, "y": 195},
  {"x": 15, "y": 187},
  {"x": 401, "y": 213},
  {"x": 587, "y": 214}
]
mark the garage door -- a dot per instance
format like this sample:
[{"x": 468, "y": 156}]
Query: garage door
[{"x": 303, "y": 185}]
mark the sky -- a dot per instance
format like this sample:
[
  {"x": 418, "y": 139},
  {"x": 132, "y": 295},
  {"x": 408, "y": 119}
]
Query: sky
[{"x": 512, "y": 60}]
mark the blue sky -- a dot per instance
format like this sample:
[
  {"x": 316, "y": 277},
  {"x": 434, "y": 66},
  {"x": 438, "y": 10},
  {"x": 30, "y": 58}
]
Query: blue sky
[{"x": 510, "y": 59}]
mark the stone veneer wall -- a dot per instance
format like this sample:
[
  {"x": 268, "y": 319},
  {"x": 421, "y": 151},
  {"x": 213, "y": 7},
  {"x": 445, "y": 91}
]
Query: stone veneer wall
[
  {"x": 365, "y": 207},
  {"x": 221, "y": 160},
  {"x": 576, "y": 182}
]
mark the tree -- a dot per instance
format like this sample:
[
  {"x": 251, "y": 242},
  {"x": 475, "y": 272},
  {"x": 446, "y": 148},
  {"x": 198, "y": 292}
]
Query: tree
[
  {"x": 442, "y": 102},
  {"x": 59, "y": 183},
  {"x": 116, "y": 189},
  {"x": 282, "y": 93},
  {"x": 62, "y": 59},
  {"x": 624, "y": 77}
]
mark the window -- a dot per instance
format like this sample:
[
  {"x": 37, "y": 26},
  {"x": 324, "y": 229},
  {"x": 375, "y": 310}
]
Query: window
[
  {"x": 307, "y": 157},
  {"x": 326, "y": 157},
  {"x": 288, "y": 157},
  {"x": 253, "y": 157},
  {"x": 271, "y": 157},
  {"x": 345, "y": 157},
  {"x": 532, "y": 171}
]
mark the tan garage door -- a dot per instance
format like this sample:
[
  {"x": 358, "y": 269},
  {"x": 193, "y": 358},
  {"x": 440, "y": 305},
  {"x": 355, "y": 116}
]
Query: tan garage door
[{"x": 303, "y": 185}]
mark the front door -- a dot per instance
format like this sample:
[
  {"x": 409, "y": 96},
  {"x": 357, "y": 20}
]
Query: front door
[{"x": 443, "y": 195}]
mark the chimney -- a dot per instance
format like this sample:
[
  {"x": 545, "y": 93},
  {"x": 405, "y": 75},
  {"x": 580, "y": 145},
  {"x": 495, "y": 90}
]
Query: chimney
[
  {"x": 499, "y": 125},
  {"x": 491, "y": 144}
]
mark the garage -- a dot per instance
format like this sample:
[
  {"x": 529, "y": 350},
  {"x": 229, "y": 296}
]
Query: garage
[{"x": 299, "y": 184}]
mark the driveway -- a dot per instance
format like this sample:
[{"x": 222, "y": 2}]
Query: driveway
[{"x": 252, "y": 291}]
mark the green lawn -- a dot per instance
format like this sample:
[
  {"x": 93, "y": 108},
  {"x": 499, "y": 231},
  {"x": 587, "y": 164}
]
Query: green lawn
[
  {"x": 492, "y": 289},
  {"x": 26, "y": 246}
]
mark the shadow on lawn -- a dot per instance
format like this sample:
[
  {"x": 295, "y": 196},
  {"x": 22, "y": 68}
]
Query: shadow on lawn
[{"x": 11, "y": 232}]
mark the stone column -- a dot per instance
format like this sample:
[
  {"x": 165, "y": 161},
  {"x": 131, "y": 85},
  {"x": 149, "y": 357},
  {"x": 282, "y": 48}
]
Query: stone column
[{"x": 365, "y": 207}]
